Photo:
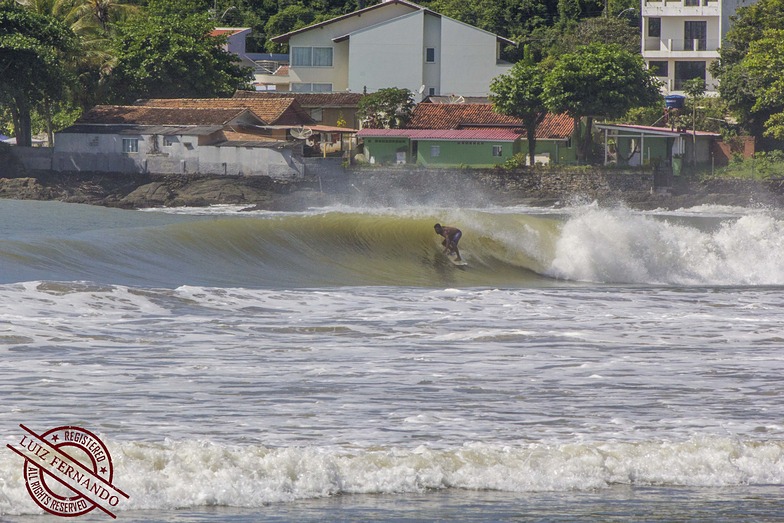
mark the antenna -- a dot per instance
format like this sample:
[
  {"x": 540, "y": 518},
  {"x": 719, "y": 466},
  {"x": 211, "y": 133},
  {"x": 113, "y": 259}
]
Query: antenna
[
  {"x": 455, "y": 99},
  {"x": 301, "y": 133},
  {"x": 421, "y": 88}
]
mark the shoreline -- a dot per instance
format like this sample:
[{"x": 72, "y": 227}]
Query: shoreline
[{"x": 448, "y": 189}]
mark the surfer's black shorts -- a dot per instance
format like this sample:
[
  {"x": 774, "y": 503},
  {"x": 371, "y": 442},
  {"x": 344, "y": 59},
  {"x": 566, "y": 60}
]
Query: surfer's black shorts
[{"x": 456, "y": 237}]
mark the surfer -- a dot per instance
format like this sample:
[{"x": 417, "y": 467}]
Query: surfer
[{"x": 451, "y": 236}]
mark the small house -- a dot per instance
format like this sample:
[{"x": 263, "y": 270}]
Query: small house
[
  {"x": 175, "y": 140},
  {"x": 467, "y": 135}
]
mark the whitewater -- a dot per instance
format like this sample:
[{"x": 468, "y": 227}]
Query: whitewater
[{"x": 590, "y": 364}]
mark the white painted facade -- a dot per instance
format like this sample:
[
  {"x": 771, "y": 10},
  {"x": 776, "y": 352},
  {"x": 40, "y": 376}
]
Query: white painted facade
[
  {"x": 681, "y": 38},
  {"x": 175, "y": 153},
  {"x": 396, "y": 44}
]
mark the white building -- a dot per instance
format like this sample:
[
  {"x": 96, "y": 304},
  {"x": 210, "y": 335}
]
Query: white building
[
  {"x": 394, "y": 44},
  {"x": 681, "y": 38}
]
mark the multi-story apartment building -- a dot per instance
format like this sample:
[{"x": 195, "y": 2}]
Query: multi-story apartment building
[{"x": 680, "y": 38}]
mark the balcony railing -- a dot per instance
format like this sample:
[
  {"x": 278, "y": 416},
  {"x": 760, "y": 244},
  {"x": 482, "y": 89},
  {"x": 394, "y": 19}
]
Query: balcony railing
[
  {"x": 266, "y": 66},
  {"x": 682, "y": 3},
  {"x": 677, "y": 45}
]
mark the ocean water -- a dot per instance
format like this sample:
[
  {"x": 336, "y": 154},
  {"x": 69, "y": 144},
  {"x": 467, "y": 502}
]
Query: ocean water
[{"x": 590, "y": 363}]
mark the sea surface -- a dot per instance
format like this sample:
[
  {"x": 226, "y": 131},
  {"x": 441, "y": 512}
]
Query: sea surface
[{"x": 589, "y": 364}]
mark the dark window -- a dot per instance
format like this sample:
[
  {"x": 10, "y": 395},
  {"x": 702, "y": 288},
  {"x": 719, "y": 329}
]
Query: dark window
[
  {"x": 654, "y": 27},
  {"x": 432, "y": 91},
  {"x": 686, "y": 71},
  {"x": 695, "y": 36},
  {"x": 430, "y": 55},
  {"x": 659, "y": 68},
  {"x": 691, "y": 2}
]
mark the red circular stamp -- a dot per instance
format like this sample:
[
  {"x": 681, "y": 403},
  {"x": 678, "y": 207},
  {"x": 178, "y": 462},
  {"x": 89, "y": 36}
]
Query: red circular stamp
[{"x": 68, "y": 471}]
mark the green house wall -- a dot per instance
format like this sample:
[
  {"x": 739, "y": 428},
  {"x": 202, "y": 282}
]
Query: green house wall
[
  {"x": 384, "y": 150},
  {"x": 654, "y": 148},
  {"x": 471, "y": 153}
]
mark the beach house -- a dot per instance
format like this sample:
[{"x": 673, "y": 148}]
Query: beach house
[
  {"x": 681, "y": 38},
  {"x": 395, "y": 43},
  {"x": 467, "y": 135}
]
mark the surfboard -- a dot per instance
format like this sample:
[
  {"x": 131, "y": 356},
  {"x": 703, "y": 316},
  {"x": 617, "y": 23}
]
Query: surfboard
[{"x": 459, "y": 263}]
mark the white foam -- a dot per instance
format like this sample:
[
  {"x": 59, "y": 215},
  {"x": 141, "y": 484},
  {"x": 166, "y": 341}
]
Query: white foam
[
  {"x": 619, "y": 246},
  {"x": 178, "y": 474}
]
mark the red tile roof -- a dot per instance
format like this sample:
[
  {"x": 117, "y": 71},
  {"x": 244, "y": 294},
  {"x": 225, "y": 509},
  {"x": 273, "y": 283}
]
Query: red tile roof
[
  {"x": 499, "y": 134},
  {"x": 228, "y": 31},
  {"x": 461, "y": 116},
  {"x": 309, "y": 100},
  {"x": 273, "y": 111},
  {"x": 128, "y": 114}
]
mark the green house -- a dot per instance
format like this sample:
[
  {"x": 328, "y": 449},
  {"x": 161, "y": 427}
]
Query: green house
[{"x": 466, "y": 135}]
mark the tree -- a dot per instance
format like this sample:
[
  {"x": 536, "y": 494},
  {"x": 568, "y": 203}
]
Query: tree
[
  {"x": 606, "y": 30},
  {"x": 597, "y": 80},
  {"x": 33, "y": 50},
  {"x": 695, "y": 90},
  {"x": 386, "y": 108},
  {"x": 519, "y": 93},
  {"x": 764, "y": 63},
  {"x": 291, "y": 18},
  {"x": 745, "y": 80},
  {"x": 172, "y": 57}
]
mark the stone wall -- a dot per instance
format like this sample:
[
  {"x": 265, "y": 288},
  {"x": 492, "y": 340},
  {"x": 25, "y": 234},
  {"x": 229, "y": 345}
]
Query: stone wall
[{"x": 549, "y": 182}]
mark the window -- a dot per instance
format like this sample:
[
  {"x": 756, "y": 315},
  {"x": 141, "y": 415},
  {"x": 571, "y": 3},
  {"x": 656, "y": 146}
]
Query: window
[
  {"x": 659, "y": 68},
  {"x": 317, "y": 114},
  {"x": 130, "y": 145},
  {"x": 430, "y": 55},
  {"x": 311, "y": 88},
  {"x": 695, "y": 36},
  {"x": 168, "y": 141},
  {"x": 654, "y": 27},
  {"x": 691, "y": 2},
  {"x": 686, "y": 71},
  {"x": 432, "y": 91},
  {"x": 498, "y": 150},
  {"x": 311, "y": 57},
  {"x": 435, "y": 151},
  {"x": 322, "y": 57}
]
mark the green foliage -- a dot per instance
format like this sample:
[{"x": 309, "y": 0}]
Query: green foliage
[
  {"x": 601, "y": 80},
  {"x": 289, "y": 19},
  {"x": 648, "y": 115},
  {"x": 388, "y": 108},
  {"x": 34, "y": 49},
  {"x": 567, "y": 38},
  {"x": 172, "y": 57},
  {"x": 519, "y": 93},
  {"x": 749, "y": 70},
  {"x": 762, "y": 166}
]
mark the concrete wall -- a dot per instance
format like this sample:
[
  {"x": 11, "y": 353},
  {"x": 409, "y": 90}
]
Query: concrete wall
[
  {"x": 388, "y": 55},
  {"x": 183, "y": 155},
  {"x": 338, "y": 74},
  {"x": 32, "y": 158},
  {"x": 468, "y": 59}
]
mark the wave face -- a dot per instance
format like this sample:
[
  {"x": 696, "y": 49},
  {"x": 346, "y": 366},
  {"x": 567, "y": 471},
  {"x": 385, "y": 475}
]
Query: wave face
[{"x": 504, "y": 247}]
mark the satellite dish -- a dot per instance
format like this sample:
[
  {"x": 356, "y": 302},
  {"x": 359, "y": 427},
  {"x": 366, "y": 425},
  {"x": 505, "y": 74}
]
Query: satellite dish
[
  {"x": 301, "y": 133},
  {"x": 310, "y": 142},
  {"x": 421, "y": 88},
  {"x": 455, "y": 99}
]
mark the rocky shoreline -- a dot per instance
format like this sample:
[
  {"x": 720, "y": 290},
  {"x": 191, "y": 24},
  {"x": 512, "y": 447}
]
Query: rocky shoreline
[{"x": 453, "y": 188}]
